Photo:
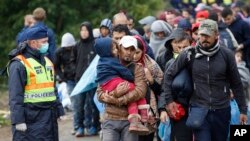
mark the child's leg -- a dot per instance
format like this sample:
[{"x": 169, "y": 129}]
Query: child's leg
[
  {"x": 143, "y": 109},
  {"x": 132, "y": 108},
  {"x": 134, "y": 119}
]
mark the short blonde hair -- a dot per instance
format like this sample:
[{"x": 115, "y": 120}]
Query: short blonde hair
[{"x": 39, "y": 14}]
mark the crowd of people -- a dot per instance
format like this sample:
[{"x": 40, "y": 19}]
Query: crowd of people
[{"x": 178, "y": 66}]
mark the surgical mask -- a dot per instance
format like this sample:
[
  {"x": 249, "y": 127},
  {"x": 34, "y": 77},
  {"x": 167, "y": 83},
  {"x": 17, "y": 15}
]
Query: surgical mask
[{"x": 44, "y": 48}]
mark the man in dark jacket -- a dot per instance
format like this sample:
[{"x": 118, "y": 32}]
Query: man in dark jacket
[
  {"x": 214, "y": 73},
  {"x": 240, "y": 30},
  {"x": 33, "y": 99},
  {"x": 65, "y": 62},
  {"x": 181, "y": 87},
  {"x": 170, "y": 51}
]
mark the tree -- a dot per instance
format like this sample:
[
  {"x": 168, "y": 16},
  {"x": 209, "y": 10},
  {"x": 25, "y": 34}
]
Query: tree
[{"x": 65, "y": 16}]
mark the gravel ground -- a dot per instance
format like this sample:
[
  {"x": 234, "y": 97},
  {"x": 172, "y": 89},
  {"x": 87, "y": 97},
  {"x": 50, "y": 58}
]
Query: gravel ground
[{"x": 65, "y": 128}]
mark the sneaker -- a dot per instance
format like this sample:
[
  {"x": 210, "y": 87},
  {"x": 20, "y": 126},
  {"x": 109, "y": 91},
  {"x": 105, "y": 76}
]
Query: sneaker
[
  {"x": 73, "y": 132},
  {"x": 79, "y": 132},
  {"x": 92, "y": 131}
]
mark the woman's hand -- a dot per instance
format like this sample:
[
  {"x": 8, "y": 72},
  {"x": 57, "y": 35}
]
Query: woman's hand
[
  {"x": 164, "y": 116},
  {"x": 149, "y": 76}
]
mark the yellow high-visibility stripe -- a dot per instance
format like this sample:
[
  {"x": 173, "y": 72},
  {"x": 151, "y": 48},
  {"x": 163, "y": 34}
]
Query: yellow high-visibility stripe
[{"x": 40, "y": 80}]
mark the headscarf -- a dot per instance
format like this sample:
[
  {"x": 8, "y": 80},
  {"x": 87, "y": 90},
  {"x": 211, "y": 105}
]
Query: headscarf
[
  {"x": 156, "y": 43},
  {"x": 148, "y": 62}
]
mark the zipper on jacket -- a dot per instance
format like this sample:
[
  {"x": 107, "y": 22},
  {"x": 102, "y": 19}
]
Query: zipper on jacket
[
  {"x": 208, "y": 82},
  {"x": 88, "y": 59}
]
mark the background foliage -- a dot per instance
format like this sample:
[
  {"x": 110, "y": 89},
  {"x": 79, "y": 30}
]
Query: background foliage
[{"x": 65, "y": 16}]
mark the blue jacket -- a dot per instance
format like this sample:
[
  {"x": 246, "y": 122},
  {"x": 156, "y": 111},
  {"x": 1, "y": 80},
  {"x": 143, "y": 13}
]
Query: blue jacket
[{"x": 109, "y": 67}]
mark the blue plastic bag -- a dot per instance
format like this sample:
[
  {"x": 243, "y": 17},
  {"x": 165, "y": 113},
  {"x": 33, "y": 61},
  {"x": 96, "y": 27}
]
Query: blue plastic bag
[
  {"x": 164, "y": 130},
  {"x": 87, "y": 81},
  {"x": 99, "y": 105},
  {"x": 235, "y": 113}
]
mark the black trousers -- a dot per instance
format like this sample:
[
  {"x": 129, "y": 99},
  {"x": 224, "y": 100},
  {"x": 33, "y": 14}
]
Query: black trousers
[{"x": 180, "y": 132}]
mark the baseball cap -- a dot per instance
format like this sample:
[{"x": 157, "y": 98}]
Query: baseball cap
[
  {"x": 128, "y": 41},
  {"x": 202, "y": 14},
  {"x": 207, "y": 27}
]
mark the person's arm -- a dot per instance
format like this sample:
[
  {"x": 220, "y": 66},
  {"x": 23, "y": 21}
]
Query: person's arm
[
  {"x": 140, "y": 87},
  {"x": 166, "y": 98},
  {"x": 134, "y": 95},
  {"x": 59, "y": 106},
  {"x": 235, "y": 43},
  {"x": 16, "y": 83},
  {"x": 154, "y": 77},
  {"x": 57, "y": 64}
]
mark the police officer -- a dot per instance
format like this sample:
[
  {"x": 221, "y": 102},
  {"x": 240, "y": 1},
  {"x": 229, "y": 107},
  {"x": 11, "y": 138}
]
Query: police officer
[{"x": 33, "y": 100}]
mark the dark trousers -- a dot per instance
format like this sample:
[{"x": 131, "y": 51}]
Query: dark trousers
[
  {"x": 180, "y": 132},
  {"x": 149, "y": 137},
  {"x": 215, "y": 126}
]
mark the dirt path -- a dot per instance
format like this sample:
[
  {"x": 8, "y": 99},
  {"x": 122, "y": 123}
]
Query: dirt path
[{"x": 65, "y": 127}]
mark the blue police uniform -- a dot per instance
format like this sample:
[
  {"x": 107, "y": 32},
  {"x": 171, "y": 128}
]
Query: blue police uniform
[{"x": 41, "y": 108}]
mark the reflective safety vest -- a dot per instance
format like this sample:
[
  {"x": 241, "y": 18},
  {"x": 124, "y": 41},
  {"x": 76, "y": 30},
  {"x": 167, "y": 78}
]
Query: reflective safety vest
[
  {"x": 208, "y": 1},
  {"x": 40, "y": 81},
  {"x": 227, "y": 2}
]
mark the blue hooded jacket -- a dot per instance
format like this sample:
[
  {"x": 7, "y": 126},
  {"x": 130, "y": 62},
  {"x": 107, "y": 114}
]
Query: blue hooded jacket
[{"x": 109, "y": 67}]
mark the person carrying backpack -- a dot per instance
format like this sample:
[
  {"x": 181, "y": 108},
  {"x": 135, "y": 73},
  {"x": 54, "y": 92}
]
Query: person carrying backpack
[{"x": 214, "y": 72}]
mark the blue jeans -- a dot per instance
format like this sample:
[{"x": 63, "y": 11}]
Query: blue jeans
[
  {"x": 70, "y": 86},
  {"x": 117, "y": 130},
  {"x": 91, "y": 111},
  {"x": 78, "y": 102},
  {"x": 215, "y": 126}
]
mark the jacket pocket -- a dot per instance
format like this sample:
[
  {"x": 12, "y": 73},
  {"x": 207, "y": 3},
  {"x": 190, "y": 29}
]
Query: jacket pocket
[{"x": 31, "y": 115}]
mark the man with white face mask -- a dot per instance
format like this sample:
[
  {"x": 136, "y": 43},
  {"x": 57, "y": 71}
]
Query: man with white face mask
[{"x": 33, "y": 99}]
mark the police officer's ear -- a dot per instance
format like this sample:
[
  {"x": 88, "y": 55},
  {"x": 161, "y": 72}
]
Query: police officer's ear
[{"x": 32, "y": 43}]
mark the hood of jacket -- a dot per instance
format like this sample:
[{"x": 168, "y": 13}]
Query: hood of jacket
[
  {"x": 90, "y": 30},
  {"x": 176, "y": 34},
  {"x": 103, "y": 47},
  {"x": 155, "y": 42}
]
